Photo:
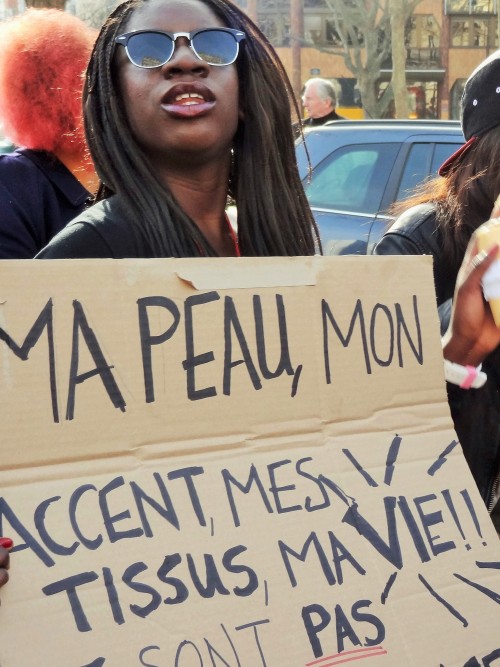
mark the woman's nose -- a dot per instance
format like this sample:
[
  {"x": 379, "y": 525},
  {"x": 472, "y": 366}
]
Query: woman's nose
[{"x": 185, "y": 59}]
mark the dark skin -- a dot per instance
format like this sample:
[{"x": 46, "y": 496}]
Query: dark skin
[
  {"x": 4, "y": 565},
  {"x": 469, "y": 340},
  {"x": 472, "y": 334},
  {"x": 190, "y": 146}
]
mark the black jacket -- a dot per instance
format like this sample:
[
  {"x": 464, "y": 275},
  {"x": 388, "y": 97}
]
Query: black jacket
[
  {"x": 315, "y": 122},
  {"x": 38, "y": 196},
  {"x": 415, "y": 232},
  {"x": 475, "y": 412},
  {"x": 101, "y": 231}
]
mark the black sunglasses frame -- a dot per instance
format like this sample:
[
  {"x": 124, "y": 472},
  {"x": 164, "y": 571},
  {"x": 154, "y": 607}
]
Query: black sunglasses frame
[{"x": 123, "y": 40}]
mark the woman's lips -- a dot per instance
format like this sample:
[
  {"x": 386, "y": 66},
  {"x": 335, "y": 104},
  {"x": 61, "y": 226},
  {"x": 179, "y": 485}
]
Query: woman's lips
[
  {"x": 188, "y": 110},
  {"x": 184, "y": 103}
]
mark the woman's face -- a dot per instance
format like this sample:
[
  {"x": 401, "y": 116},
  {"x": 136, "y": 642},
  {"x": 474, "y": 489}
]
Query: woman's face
[{"x": 186, "y": 111}]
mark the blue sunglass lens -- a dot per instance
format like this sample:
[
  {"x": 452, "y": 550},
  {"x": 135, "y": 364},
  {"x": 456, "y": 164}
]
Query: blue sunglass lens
[
  {"x": 216, "y": 47},
  {"x": 150, "y": 49}
]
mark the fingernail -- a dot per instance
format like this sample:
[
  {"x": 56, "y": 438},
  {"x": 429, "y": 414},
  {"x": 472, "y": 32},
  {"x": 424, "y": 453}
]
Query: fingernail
[{"x": 6, "y": 542}]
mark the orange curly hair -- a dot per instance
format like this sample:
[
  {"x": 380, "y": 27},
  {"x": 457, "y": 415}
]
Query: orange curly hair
[{"x": 43, "y": 55}]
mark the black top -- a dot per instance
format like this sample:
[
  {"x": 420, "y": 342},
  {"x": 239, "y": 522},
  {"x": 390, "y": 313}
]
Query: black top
[
  {"x": 101, "y": 231},
  {"x": 38, "y": 196},
  {"x": 416, "y": 232},
  {"x": 314, "y": 122}
]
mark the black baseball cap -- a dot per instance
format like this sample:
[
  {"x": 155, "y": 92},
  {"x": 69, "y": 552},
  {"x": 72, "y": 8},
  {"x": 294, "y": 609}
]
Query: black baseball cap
[{"x": 479, "y": 106}]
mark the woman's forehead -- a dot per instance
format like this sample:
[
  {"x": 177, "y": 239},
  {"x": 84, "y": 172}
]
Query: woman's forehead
[{"x": 178, "y": 15}]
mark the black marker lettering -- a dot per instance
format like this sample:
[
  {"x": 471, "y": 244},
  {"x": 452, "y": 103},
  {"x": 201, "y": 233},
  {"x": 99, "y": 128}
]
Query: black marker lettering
[
  {"x": 193, "y": 360},
  {"x": 102, "y": 368},
  {"x": 43, "y": 321},
  {"x": 69, "y": 585},
  {"x": 148, "y": 340},
  {"x": 232, "y": 322}
]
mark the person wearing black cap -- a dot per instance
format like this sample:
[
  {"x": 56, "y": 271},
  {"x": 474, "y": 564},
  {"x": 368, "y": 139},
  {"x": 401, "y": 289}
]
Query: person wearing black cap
[{"x": 439, "y": 219}]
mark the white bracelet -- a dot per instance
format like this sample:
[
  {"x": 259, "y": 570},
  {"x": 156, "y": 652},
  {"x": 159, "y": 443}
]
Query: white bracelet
[{"x": 466, "y": 377}]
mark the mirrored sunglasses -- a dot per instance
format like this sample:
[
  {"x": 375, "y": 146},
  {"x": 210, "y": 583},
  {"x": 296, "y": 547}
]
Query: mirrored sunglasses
[{"x": 154, "y": 48}]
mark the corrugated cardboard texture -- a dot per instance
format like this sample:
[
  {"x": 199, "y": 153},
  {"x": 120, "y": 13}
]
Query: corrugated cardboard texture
[{"x": 201, "y": 471}]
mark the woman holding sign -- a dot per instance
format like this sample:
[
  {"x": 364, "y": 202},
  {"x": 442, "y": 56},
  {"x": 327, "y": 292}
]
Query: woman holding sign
[{"x": 187, "y": 106}]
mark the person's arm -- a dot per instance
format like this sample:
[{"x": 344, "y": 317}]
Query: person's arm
[
  {"x": 17, "y": 231},
  {"x": 412, "y": 233},
  {"x": 393, "y": 243},
  {"x": 472, "y": 333},
  {"x": 5, "y": 545},
  {"x": 471, "y": 338}
]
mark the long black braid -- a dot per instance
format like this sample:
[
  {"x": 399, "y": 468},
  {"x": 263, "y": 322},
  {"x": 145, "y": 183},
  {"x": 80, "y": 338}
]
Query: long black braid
[{"x": 274, "y": 217}]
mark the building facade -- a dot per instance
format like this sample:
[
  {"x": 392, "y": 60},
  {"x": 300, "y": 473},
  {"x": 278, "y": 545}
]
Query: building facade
[{"x": 444, "y": 41}]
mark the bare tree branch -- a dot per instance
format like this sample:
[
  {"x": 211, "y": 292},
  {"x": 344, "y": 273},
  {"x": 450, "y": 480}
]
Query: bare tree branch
[{"x": 364, "y": 29}]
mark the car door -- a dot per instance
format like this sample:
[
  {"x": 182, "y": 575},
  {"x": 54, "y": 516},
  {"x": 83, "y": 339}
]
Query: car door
[
  {"x": 418, "y": 161},
  {"x": 345, "y": 194}
]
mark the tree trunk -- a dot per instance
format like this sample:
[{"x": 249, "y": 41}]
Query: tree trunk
[
  {"x": 398, "y": 80},
  {"x": 296, "y": 37},
  {"x": 252, "y": 10},
  {"x": 50, "y": 4},
  {"x": 364, "y": 29}
]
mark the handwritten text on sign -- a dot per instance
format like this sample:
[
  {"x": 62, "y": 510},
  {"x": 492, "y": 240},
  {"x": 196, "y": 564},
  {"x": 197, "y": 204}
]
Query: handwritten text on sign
[
  {"x": 236, "y": 477},
  {"x": 398, "y": 330}
]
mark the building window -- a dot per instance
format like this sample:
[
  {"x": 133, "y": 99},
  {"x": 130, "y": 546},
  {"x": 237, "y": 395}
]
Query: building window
[
  {"x": 276, "y": 28},
  {"x": 472, "y": 31},
  {"x": 455, "y": 97},
  {"x": 460, "y": 32},
  {"x": 313, "y": 29},
  {"x": 470, "y": 6},
  {"x": 422, "y": 32},
  {"x": 422, "y": 40},
  {"x": 332, "y": 36}
]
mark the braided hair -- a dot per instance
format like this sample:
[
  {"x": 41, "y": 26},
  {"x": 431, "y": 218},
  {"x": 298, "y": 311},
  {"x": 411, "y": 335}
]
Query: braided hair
[{"x": 274, "y": 218}]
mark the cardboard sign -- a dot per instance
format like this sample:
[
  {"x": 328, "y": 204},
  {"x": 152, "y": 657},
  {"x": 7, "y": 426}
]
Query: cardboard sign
[{"x": 235, "y": 463}]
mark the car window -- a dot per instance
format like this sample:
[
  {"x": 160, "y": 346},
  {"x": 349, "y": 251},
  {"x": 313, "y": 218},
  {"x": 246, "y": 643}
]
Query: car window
[
  {"x": 424, "y": 159},
  {"x": 352, "y": 178},
  {"x": 416, "y": 169},
  {"x": 441, "y": 153}
]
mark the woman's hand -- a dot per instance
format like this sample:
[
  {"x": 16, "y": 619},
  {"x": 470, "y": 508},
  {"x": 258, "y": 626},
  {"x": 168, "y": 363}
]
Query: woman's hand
[
  {"x": 472, "y": 333},
  {"x": 5, "y": 544}
]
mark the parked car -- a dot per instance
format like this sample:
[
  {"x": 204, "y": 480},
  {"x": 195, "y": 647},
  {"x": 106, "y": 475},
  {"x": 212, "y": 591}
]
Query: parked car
[
  {"x": 361, "y": 167},
  {"x": 6, "y": 146}
]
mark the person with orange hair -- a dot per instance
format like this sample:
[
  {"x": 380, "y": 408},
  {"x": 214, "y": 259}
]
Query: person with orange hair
[{"x": 49, "y": 179}]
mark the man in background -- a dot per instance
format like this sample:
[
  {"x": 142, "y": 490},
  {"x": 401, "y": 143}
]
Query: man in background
[{"x": 319, "y": 100}]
